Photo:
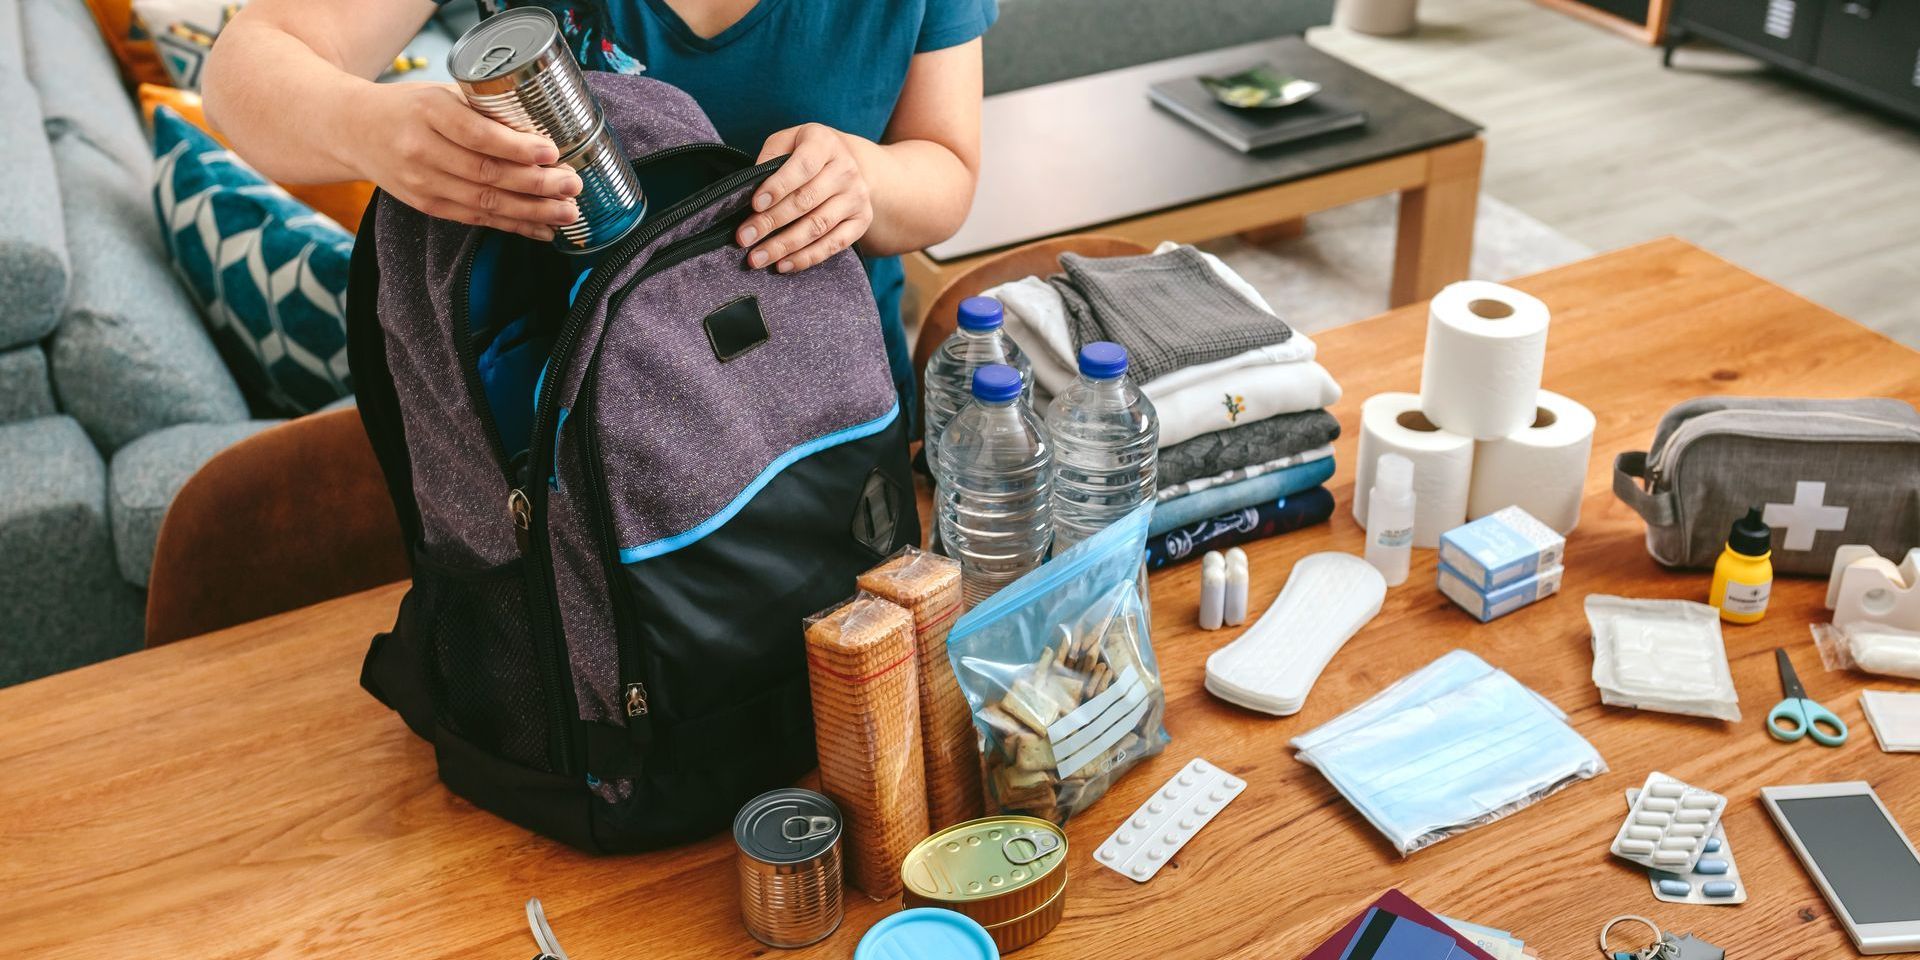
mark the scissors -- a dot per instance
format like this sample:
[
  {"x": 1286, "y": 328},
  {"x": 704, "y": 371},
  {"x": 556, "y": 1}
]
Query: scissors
[{"x": 1804, "y": 717}]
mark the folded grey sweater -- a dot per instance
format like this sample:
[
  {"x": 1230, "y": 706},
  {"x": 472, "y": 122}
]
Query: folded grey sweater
[
  {"x": 1245, "y": 445},
  {"x": 1169, "y": 310}
]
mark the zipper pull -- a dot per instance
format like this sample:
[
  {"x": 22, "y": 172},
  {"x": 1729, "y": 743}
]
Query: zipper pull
[
  {"x": 636, "y": 700},
  {"x": 520, "y": 509}
]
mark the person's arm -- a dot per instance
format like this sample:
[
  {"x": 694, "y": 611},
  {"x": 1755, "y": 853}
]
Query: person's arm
[
  {"x": 289, "y": 84},
  {"x": 908, "y": 191}
]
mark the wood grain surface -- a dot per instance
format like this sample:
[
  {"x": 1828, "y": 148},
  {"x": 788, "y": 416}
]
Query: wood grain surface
[{"x": 237, "y": 795}]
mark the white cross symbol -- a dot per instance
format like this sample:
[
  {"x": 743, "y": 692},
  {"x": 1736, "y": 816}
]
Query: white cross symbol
[{"x": 1805, "y": 517}]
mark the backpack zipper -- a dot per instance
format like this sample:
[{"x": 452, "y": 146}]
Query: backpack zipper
[
  {"x": 1664, "y": 458},
  {"x": 545, "y": 444}
]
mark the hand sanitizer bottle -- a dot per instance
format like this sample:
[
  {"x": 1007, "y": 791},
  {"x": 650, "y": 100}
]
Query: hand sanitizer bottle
[{"x": 1390, "y": 518}]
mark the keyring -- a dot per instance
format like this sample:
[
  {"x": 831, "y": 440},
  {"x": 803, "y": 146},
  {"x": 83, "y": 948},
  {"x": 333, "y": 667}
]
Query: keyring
[{"x": 1607, "y": 952}]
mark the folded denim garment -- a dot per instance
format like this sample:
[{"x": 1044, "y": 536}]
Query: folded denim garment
[
  {"x": 1270, "y": 442},
  {"x": 1236, "y": 527},
  {"x": 1237, "y": 474},
  {"x": 1266, "y": 488}
]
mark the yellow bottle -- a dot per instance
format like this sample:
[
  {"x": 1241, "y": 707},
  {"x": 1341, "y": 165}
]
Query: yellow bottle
[{"x": 1743, "y": 578}]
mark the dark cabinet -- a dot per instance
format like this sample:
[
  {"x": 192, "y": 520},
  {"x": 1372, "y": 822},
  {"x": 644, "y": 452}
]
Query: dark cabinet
[{"x": 1869, "y": 49}]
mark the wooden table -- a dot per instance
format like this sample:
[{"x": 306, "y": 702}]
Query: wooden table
[
  {"x": 1093, "y": 154},
  {"x": 237, "y": 795}
]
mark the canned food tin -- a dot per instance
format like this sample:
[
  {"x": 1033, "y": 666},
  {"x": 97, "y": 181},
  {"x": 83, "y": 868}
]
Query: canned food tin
[
  {"x": 789, "y": 865},
  {"x": 1021, "y": 931},
  {"x": 610, "y": 200},
  {"x": 514, "y": 68},
  {"x": 996, "y": 870}
]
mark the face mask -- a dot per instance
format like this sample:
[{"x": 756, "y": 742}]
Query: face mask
[{"x": 1449, "y": 747}]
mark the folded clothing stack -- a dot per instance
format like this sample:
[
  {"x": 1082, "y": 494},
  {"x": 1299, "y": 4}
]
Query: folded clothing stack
[{"x": 1245, "y": 439}]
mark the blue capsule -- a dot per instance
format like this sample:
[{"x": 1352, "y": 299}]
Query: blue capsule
[
  {"x": 1675, "y": 888},
  {"x": 1710, "y": 867},
  {"x": 1719, "y": 888},
  {"x": 1713, "y": 845}
]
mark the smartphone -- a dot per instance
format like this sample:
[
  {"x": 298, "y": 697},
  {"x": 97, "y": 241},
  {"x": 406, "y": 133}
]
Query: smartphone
[{"x": 1857, "y": 856}]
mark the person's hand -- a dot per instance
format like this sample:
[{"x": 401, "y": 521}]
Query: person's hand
[
  {"x": 422, "y": 143},
  {"x": 813, "y": 207}
]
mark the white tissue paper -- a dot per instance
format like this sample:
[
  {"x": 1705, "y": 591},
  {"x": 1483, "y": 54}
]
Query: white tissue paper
[
  {"x": 1442, "y": 464},
  {"x": 1486, "y": 345},
  {"x": 1540, "y": 468}
]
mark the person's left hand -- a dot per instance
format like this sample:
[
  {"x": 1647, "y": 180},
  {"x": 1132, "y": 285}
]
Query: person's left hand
[{"x": 813, "y": 207}]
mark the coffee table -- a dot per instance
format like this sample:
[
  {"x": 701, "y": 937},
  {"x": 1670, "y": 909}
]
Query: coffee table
[
  {"x": 1093, "y": 154},
  {"x": 237, "y": 796}
]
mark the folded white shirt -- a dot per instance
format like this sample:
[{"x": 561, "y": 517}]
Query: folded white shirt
[{"x": 1243, "y": 395}]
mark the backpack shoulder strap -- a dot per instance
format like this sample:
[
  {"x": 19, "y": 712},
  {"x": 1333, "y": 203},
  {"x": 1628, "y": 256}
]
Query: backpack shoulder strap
[{"x": 372, "y": 382}]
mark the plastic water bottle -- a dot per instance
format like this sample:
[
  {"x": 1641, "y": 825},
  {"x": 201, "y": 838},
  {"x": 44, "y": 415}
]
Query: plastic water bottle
[
  {"x": 977, "y": 341},
  {"x": 994, "y": 491},
  {"x": 1106, "y": 439}
]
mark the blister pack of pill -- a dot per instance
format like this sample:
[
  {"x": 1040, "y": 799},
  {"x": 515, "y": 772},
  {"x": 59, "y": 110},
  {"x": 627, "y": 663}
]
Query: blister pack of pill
[
  {"x": 1668, "y": 825},
  {"x": 1155, "y": 832},
  {"x": 1714, "y": 880}
]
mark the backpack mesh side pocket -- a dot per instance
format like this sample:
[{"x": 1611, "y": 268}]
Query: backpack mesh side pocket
[{"x": 482, "y": 667}]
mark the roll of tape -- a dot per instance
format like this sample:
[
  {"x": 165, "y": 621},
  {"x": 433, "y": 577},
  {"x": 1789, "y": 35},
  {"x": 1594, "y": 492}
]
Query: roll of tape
[
  {"x": 1486, "y": 344},
  {"x": 1540, "y": 468},
  {"x": 1442, "y": 463}
]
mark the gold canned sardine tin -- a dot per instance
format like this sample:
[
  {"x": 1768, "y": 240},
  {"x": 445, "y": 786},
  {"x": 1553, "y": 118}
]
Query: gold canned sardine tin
[{"x": 1007, "y": 873}]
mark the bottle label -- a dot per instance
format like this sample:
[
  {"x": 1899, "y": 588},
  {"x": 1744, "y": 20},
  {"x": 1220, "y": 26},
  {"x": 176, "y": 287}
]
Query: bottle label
[
  {"x": 1746, "y": 598},
  {"x": 1394, "y": 537}
]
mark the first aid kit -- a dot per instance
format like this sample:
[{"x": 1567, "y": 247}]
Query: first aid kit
[
  {"x": 1823, "y": 472},
  {"x": 1668, "y": 825},
  {"x": 616, "y": 530},
  {"x": 1663, "y": 655}
]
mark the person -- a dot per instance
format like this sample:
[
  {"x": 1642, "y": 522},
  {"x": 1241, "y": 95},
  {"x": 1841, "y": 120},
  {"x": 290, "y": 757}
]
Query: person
[{"x": 877, "y": 103}]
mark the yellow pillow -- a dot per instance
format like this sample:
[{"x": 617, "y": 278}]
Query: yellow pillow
[
  {"x": 344, "y": 201},
  {"x": 129, "y": 40}
]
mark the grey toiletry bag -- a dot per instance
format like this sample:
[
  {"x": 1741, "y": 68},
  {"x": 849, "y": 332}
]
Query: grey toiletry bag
[{"x": 1826, "y": 473}]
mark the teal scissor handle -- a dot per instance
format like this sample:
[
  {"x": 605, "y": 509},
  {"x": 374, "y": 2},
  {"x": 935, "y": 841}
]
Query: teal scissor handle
[{"x": 1806, "y": 718}]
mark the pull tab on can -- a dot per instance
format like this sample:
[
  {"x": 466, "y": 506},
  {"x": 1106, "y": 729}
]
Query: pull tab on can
[{"x": 799, "y": 829}]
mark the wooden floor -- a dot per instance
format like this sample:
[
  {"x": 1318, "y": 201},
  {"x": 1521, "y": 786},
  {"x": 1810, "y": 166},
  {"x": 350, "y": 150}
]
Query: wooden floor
[{"x": 1587, "y": 133}]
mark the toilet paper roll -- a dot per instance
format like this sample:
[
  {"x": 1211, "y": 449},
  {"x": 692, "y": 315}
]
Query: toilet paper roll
[
  {"x": 1442, "y": 463},
  {"x": 1485, "y": 346},
  {"x": 1540, "y": 468}
]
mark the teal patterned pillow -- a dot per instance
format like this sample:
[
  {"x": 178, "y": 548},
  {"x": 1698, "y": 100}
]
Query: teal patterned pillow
[{"x": 269, "y": 273}]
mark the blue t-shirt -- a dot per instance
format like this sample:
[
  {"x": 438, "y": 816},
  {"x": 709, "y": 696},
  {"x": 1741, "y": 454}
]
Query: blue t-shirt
[{"x": 786, "y": 62}]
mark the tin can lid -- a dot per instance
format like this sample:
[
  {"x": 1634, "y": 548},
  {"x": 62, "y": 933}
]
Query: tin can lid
[
  {"x": 787, "y": 826},
  {"x": 927, "y": 933},
  {"x": 984, "y": 859},
  {"x": 502, "y": 43}
]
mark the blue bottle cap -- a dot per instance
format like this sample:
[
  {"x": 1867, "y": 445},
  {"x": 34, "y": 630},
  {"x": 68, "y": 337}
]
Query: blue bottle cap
[
  {"x": 996, "y": 383},
  {"x": 979, "y": 313},
  {"x": 1102, "y": 360},
  {"x": 927, "y": 933}
]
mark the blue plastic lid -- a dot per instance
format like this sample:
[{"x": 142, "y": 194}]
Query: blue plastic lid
[
  {"x": 979, "y": 313},
  {"x": 1102, "y": 360},
  {"x": 996, "y": 383},
  {"x": 927, "y": 933}
]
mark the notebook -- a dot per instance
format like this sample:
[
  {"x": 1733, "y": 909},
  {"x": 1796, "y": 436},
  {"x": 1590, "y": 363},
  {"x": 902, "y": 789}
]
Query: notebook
[
  {"x": 1403, "y": 910},
  {"x": 1252, "y": 128}
]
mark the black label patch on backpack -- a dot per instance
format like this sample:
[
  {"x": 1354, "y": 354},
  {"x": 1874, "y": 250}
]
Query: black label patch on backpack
[
  {"x": 876, "y": 518},
  {"x": 736, "y": 328}
]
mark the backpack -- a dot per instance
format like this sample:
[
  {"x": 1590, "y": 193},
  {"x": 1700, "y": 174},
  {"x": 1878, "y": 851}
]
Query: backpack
[{"x": 621, "y": 491}]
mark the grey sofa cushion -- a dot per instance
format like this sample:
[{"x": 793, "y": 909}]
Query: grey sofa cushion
[
  {"x": 148, "y": 472},
  {"x": 33, "y": 241},
  {"x": 25, "y": 391},
  {"x": 65, "y": 602},
  {"x": 79, "y": 82},
  {"x": 131, "y": 355},
  {"x": 1040, "y": 41}
]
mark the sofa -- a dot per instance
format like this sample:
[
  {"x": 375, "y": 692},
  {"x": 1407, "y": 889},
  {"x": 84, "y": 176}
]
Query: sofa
[{"x": 112, "y": 394}]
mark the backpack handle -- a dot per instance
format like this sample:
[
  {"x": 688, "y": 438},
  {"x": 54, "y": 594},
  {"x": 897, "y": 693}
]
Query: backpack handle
[{"x": 1655, "y": 507}]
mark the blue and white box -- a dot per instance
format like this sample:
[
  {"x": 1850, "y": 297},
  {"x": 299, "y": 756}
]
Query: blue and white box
[
  {"x": 1502, "y": 547},
  {"x": 1502, "y": 601}
]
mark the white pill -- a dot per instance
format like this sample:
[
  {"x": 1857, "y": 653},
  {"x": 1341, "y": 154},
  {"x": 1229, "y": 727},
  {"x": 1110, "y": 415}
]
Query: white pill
[
  {"x": 1701, "y": 801},
  {"x": 1108, "y": 854},
  {"x": 1160, "y": 855},
  {"x": 1689, "y": 829},
  {"x": 1644, "y": 833},
  {"x": 1636, "y": 846},
  {"x": 1203, "y": 810},
  {"x": 1662, "y": 804},
  {"x": 1217, "y": 795},
  {"x": 1693, "y": 816},
  {"x": 1678, "y": 843},
  {"x": 1670, "y": 856},
  {"x": 1667, "y": 788},
  {"x": 1171, "y": 839},
  {"x": 1141, "y": 869},
  {"x": 1155, "y": 806},
  {"x": 1231, "y": 783},
  {"x": 1653, "y": 819},
  {"x": 1185, "y": 779},
  {"x": 1170, "y": 793},
  {"x": 1188, "y": 823},
  {"x": 1140, "y": 823},
  {"x": 1123, "y": 839}
]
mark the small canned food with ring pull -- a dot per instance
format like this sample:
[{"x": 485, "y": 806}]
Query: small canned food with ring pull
[
  {"x": 1007, "y": 873},
  {"x": 789, "y": 865}
]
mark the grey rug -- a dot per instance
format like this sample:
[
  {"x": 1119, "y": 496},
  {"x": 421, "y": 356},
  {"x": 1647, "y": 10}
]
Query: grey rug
[{"x": 1337, "y": 271}]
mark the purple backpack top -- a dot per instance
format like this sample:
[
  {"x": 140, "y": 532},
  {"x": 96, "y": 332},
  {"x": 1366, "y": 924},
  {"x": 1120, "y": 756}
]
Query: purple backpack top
[{"x": 624, "y": 480}]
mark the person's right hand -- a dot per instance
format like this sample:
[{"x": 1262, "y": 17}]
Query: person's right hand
[{"x": 423, "y": 144}]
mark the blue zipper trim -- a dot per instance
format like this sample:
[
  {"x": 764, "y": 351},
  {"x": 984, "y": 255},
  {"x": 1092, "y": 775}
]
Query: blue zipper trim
[
  {"x": 648, "y": 551},
  {"x": 1048, "y": 575}
]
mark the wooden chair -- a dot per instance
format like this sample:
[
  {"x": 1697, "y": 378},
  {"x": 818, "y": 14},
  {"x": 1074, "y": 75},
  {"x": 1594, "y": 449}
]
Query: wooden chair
[
  {"x": 290, "y": 516},
  {"x": 1041, "y": 257}
]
